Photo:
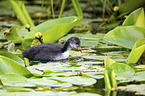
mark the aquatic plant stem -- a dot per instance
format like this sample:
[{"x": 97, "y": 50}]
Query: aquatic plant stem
[
  {"x": 41, "y": 10},
  {"x": 77, "y": 8},
  {"x": 18, "y": 12},
  {"x": 27, "y": 16},
  {"x": 107, "y": 80},
  {"x": 103, "y": 15},
  {"x": 21, "y": 12},
  {"x": 113, "y": 79},
  {"x": 62, "y": 8},
  {"x": 52, "y": 9}
]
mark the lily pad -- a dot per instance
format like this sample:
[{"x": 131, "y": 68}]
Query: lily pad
[
  {"x": 18, "y": 89},
  {"x": 77, "y": 94},
  {"x": 139, "y": 76},
  {"x": 139, "y": 89},
  {"x": 77, "y": 80},
  {"x": 96, "y": 75},
  {"x": 15, "y": 80},
  {"x": 28, "y": 93},
  {"x": 57, "y": 67},
  {"x": 47, "y": 82}
]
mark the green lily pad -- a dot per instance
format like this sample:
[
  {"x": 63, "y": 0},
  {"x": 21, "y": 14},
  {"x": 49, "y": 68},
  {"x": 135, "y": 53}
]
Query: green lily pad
[
  {"x": 77, "y": 94},
  {"x": 28, "y": 93},
  {"x": 47, "y": 82},
  {"x": 94, "y": 57},
  {"x": 57, "y": 67},
  {"x": 15, "y": 80},
  {"x": 139, "y": 89},
  {"x": 96, "y": 75},
  {"x": 139, "y": 76},
  {"x": 18, "y": 89},
  {"x": 64, "y": 74},
  {"x": 77, "y": 80}
]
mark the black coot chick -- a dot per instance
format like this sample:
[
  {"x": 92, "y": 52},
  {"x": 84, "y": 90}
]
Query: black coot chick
[{"x": 49, "y": 51}]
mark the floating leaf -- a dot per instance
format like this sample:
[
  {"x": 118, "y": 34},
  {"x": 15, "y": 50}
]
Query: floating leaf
[
  {"x": 77, "y": 94},
  {"x": 139, "y": 89},
  {"x": 57, "y": 67},
  {"x": 77, "y": 80},
  {"x": 18, "y": 89},
  {"x": 96, "y": 75},
  {"x": 29, "y": 93},
  {"x": 47, "y": 82},
  {"x": 15, "y": 80},
  {"x": 139, "y": 76}
]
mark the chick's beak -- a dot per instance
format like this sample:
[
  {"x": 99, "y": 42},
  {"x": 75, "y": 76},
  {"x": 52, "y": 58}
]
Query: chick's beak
[{"x": 79, "y": 48}]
